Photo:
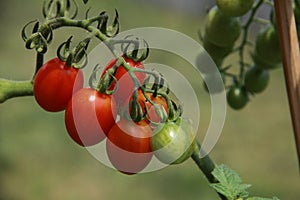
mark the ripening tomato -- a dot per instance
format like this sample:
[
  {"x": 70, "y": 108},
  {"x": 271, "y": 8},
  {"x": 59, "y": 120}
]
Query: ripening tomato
[
  {"x": 220, "y": 29},
  {"x": 125, "y": 82},
  {"x": 55, "y": 83},
  {"x": 89, "y": 116},
  {"x": 174, "y": 142},
  {"x": 235, "y": 8},
  {"x": 128, "y": 146}
]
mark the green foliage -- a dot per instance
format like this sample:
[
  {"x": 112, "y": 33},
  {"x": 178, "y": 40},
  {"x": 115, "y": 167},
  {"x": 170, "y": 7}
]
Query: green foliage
[
  {"x": 85, "y": 1},
  {"x": 260, "y": 198},
  {"x": 231, "y": 185}
]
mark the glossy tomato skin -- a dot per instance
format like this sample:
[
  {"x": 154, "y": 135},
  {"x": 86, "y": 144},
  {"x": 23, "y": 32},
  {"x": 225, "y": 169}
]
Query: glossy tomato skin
[
  {"x": 128, "y": 146},
  {"x": 174, "y": 142},
  {"x": 55, "y": 84},
  {"x": 237, "y": 97},
  {"x": 125, "y": 83},
  {"x": 89, "y": 116}
]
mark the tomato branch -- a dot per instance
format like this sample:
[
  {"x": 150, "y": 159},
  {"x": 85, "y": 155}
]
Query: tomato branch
[
  {"x": 245, "y": 38},
  {"x": 206, "y": 165},
  {"x": 10, "y": 89}
]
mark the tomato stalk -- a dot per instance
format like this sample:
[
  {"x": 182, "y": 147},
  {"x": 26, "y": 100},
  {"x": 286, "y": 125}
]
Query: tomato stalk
[
  {"x": 206, "y": 165},
  {"x": 10, "y": 89},
  {"x": 244, "y": 42},
  {"x": 39, "y": 62}
]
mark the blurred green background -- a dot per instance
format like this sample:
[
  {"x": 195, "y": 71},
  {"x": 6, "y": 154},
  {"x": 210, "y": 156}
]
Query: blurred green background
[{"x": 39, "y": 161}]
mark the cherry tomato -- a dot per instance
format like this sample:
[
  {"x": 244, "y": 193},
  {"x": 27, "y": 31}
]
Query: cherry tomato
[
  {"x": 55, "y": 84},
  {"x": 220, "y": 29},
  {"x": 89, "y": 116},
  {"x": 267, "y": 53},
  {"x": 237, "y": 97},
  {"x": 235, "y": 8},
  {"x": 262, "y": 63},
  {"x": 191, "y": 138},
  {"x": 125, "y": 82},
  {"x": 256, "y": 79},
  {"x": 174, "y": 142},
  {"x": 128, "y": 146}
]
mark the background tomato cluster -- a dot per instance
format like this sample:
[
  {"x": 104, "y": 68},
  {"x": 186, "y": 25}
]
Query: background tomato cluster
[{"x": 38, "y": 160}]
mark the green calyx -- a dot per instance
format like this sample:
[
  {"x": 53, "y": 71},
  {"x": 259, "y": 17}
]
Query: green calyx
[{"x": 73, "y": 56}]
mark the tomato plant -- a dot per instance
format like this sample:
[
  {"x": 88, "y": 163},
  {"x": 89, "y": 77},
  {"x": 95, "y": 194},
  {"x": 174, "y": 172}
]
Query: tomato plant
[
  {"x": 55, "y": 83},
  {"x": 129, "y": 141},
  {"x": 89, "y": 116},
  {"x": 91, "y": 113}
]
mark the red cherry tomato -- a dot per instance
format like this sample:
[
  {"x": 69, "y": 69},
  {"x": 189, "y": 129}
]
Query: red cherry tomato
[
  {"x": 125, "y": 82},
  {"x": 89, "y": 116},
  {"x": 55, "y": 83},
  {"x": 128, "y": 146}
]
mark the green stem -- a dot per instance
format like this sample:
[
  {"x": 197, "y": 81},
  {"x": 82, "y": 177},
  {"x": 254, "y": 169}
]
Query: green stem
[
  {"x": 10, "y": 89},
  {"x": 245, "y": 37},
  {"x": 39, "y": 62},
  {"x": 66, "y": 22},
  {"x": 206, "y": 165}
]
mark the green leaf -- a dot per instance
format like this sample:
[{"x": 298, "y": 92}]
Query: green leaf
[
  {"x": 85, "y": 1},
  {"x": 260, "y": 198},
  {"x": 230, "y": 183}
]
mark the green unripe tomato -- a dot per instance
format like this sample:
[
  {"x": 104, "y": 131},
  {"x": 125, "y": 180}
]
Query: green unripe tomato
[
  {"x": 237, "y": 97},
  {"x": 263, "y": 63},
  {"x": 190, "y": 135},
  {"x": 256, "y": 79},
  {"x": 267, "y": 46},
  {"x": 235, "y": 8},
  {"x": 173, "y": 143},
  {"x": 217, "y": 53},
  {"x": 220, "y": 29}
]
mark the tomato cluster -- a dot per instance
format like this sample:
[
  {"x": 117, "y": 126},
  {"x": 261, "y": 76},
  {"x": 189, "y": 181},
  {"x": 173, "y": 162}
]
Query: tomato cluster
[
  {"x": 133, "y": 120},
  {"x": 221, "y": 31}
]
